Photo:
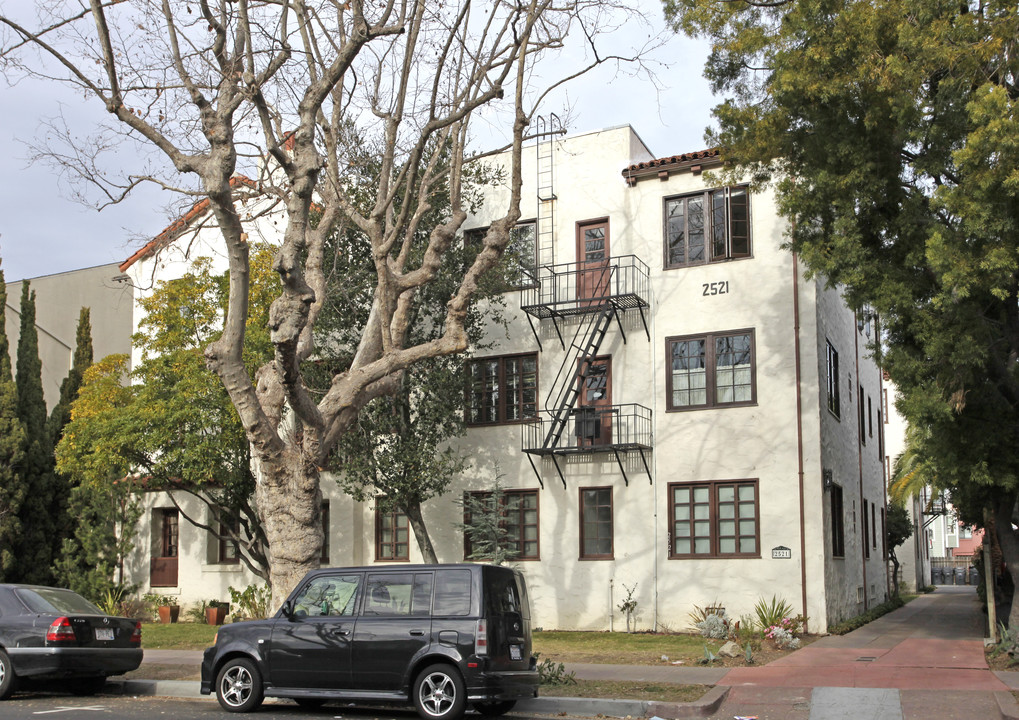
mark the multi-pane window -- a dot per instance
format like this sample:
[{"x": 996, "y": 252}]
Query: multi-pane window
[
  {"x": 833, "y": 380},
  {"x": 170, "y": 533},
  {"x": 392, "y": 536},
  {"x": 503, "y": 390},
  {"x": 711, "y": 370},
  {"x": 517, "y": 519},
  {"x": 324, "y": 557},
  {"x": 518, "y": 265},
  {"x": 596, "y": 523},
  {"x": 712, "y": 226},
  {"x": 714, "y": 519},
  {"x": 863, "y": 418},
  {"x": 227, "y": 552},
  {"x": 838, "y": 534},
  {"x": 866, "y": 531},
  {"x": 521, "y": 522}
]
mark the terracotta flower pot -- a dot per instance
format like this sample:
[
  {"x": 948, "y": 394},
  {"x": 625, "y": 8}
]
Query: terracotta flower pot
[
  {"x": 168, "y": 613},
  {"x": 215, "y": 615}
]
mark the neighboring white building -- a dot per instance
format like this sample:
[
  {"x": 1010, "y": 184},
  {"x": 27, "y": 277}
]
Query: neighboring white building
[
  {"x": 914, "y": 555},
  {"x": 674, "y": 409}
]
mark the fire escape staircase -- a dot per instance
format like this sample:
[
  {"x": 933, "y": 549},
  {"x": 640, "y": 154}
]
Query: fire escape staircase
[{"x": 567, "y": 427}]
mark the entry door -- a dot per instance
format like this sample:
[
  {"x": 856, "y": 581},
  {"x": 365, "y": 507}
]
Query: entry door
[
  {"x": 312, "y": 648},
  {"x": 163, "y": 565},
  {"x": 593, "y": 260},
  {"x": 594, "y": 417}
]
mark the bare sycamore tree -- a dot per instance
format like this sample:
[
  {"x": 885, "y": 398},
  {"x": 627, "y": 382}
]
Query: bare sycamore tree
[{"x": 218, "y": 85}]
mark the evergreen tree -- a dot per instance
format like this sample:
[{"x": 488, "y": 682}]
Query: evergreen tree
[
  {"x": 61, "y": 415},
  {"x": 34, "y": 551},
  {"x": 102, "y": 502},
  {"x": 12, "y": 450}
]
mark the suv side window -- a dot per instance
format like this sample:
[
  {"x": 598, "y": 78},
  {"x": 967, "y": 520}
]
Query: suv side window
[
  {"x": 452, "y": 593},
  {"x": 333, "y": 595},
  {"x": 398, "y": 594}
]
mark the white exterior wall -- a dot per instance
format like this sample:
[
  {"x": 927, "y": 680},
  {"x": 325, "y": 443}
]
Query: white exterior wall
[{"x": 783, "y": 441}]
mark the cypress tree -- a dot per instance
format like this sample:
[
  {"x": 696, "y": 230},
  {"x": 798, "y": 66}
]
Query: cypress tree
[
  {"x": 12, "y": 443},
  {"x": 35, "y": 553},
  {"x": 61, "y": 415}
]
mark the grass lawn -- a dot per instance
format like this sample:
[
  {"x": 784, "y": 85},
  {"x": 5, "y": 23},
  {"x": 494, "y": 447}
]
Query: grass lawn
[
  {"x": 619, "y": 648},
  {"x": 177, "y": 636}
]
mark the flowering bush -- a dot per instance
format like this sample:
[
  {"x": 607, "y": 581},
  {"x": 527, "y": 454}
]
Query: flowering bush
[
  {"x": 783, "y": 634},
  {"x": 714, "y": 626}
]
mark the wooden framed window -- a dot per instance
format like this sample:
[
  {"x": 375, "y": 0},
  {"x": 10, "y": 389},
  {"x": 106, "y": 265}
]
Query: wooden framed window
[
  {"x": 596, "y": 523},
  {"x": 714, "y": 370},
  {"x": 838, "y": 521},
  {"x": 866, "y": 531},
  {"x": 710, "y": 226},
  {"x": 863, "y": 418},
  {"x": 392, "y": 536},
  {"x": 714, "y": 519},
  {"x": 593, "y": 253},
  {"x": 832, "y": 361},
  {"x": 324, "y": 557},
  {"x": 170, "y": 533},
  {"x": 227, "y": 553},
  {"x": 502, "y": 389},
  {"x": 518, "y": 518},
  {"x": 517, "y": 269}
]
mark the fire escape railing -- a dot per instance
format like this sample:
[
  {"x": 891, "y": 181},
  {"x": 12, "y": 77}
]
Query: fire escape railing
[
  {"x": 594, "y": 293},
  {"x": 611, "y": 429}
]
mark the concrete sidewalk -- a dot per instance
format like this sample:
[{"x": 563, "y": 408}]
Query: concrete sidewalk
[{"x": 924, "y": 660}]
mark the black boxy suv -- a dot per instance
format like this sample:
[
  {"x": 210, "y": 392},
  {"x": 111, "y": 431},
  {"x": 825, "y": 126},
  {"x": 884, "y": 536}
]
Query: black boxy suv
[{"x": 439, "y": 636}]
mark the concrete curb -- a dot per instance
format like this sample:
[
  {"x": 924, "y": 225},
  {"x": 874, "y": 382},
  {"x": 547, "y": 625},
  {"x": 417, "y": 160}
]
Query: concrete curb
[
  {"x": 1007, "y": 705},
  {"x": 164, "y": 688},
  {"x": 590, "y": 707}
]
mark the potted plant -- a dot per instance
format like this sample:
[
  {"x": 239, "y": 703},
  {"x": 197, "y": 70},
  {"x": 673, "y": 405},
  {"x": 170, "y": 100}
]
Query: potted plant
[
  {"x": 216, "y": 612},
  {"x": 167, "y": 609}
]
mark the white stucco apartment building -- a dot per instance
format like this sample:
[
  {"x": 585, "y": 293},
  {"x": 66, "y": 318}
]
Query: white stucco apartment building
[{"x": 675, "y": 409}]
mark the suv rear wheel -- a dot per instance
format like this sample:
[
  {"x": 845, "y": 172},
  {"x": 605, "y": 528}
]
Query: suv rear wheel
[{"x": 440, "y": 693}]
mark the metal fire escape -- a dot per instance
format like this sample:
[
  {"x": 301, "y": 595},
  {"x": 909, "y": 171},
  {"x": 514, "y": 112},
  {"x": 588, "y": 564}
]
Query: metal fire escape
[{"x": 590, "y": 296}]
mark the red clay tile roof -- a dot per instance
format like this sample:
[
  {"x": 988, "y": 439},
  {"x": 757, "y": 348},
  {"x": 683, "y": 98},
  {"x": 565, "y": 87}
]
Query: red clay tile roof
[
  {"x": 178, "y": 226},
  {"x": 685, "y": 161}
]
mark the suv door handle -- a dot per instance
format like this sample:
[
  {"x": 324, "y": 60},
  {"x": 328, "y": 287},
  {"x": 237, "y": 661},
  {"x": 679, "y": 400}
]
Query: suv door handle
[
  {"x": 417, "y": 632},
  {"x": 342, "y": 632}
]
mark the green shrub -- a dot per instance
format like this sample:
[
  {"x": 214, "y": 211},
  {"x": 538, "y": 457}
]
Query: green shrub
[
  {"x": 251, "y": 603},
  {"x": 553, "y": 673},
  {"x": 770, "y": 614},
  {"x": 860, "y": 620}
]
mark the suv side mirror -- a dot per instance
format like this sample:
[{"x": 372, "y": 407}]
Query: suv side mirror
[{"x": 288, "y": 610}]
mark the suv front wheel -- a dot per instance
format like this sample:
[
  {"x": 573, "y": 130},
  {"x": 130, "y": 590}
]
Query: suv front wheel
[
  {"x": 239, "y": 685},
  {"x": 440, "y": 693}
]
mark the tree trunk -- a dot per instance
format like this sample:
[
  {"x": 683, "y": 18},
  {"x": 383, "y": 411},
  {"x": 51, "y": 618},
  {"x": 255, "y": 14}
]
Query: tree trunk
[
  {"x": 895, "y": 573},
  {"x": 289, "y": 503},
  {"x": 417, "y": 524},
  {"x": 1009, "y": 544}
]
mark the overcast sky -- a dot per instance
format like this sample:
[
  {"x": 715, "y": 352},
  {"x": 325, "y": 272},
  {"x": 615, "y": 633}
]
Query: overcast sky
[{"x": 44, "y": 231}]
